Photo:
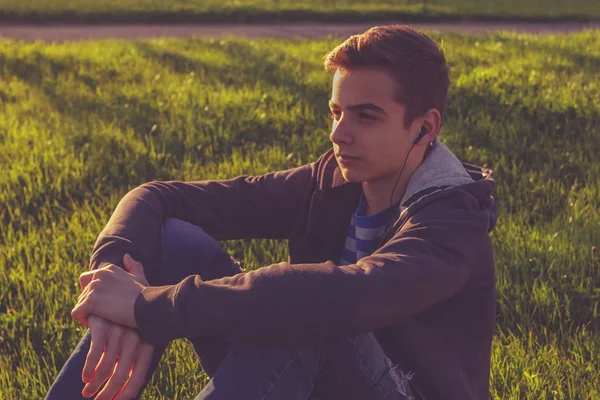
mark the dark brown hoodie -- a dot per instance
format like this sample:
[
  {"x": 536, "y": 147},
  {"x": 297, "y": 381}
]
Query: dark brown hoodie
[{"x": 428, "y": 292}]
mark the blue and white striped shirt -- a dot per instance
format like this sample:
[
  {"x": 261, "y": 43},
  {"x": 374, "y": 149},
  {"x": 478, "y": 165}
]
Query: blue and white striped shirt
[{"x": 365, "y": 232}]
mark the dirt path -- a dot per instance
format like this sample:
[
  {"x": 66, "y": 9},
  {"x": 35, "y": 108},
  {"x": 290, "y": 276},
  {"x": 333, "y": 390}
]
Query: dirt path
[{"x": 73, "y": 32}]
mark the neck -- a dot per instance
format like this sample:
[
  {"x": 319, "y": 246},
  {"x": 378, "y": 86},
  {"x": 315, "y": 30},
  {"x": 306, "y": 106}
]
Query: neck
[{"x": 377, "y": 192}]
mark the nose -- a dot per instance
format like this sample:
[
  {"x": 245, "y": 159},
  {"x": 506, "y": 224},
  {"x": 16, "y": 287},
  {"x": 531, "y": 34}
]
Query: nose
[{"x": 340, "y": 132}]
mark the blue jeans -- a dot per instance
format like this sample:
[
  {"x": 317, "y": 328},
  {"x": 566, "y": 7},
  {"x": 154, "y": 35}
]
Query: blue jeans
[{"x": 353, "y": 367}]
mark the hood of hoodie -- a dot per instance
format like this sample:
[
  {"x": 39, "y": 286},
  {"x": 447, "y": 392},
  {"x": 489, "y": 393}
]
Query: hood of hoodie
[{"x": 441, "y": 170}]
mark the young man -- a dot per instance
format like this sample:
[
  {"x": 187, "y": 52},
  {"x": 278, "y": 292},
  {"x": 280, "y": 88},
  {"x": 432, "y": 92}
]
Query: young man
[{"x": 389, "y": 290}]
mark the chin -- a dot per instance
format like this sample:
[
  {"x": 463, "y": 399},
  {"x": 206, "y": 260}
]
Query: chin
[{"x": 352, "y": 175}]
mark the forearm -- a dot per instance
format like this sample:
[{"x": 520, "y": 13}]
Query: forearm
[
  {"x": 299, "y": 304},
  {"x": 267, "y": 206},
  {"x": 427, "y": 262}
]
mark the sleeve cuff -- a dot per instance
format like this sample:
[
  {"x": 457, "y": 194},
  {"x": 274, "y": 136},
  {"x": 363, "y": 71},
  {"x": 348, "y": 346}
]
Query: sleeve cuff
[{"x": 154, "y": 312}]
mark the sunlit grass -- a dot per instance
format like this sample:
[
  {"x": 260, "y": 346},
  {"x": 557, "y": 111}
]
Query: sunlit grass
[{"x": 81, "y": 124}]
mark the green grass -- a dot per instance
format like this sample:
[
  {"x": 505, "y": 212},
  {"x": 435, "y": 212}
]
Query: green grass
[
  {"x": 81, "y": 124},
  {"x": 269, "y": 11}
]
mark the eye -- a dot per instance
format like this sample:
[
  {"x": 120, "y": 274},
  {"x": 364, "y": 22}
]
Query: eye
[{"x": 366, "y": 117}]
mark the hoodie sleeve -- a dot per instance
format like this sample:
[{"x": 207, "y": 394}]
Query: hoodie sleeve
[
  {"x": 267, "y": 206},
  {"x": 429, "y": 260}
]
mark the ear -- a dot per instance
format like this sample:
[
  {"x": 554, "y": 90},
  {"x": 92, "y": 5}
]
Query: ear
[{"x": 432, "y": 121}]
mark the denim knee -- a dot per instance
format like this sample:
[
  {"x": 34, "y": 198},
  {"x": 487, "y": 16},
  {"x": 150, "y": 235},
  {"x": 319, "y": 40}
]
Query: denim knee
[
  {"x": 358, "y": 368},
  {"x": 186, "y": 249}
]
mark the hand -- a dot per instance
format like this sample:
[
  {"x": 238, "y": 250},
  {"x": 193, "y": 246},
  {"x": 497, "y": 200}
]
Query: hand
[
  {"x": 109, "y": 343},
  {"x": 110, "y": 293},
  {"x": 131, "y": 266}
]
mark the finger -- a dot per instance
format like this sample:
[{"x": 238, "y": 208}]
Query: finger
[
  {"x": 85, "y": 303},
  {"x": 130, "y": 264},
  {"x": 99, "y": 331},
  {"x": 126, "y": 393},
  {"x": 107, "y": 362},
  {"x": 134, "y": 267},
  {"x": 85, "y": 291},
  {"x": 82, "y": 309},
  {"x": 85, "y": 278},
  {"x": 120, "y": 375},
  {"x": 137, "y": 377},
  {"x": 83, "y": 294}
]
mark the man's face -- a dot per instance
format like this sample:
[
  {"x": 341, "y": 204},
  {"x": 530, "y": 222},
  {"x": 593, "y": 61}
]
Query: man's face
[{"x": 369, "y": 124}]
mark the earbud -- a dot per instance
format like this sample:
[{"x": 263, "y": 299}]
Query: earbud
[
  {"x": 419, "y": 137},
  {"x": 421, "y": 134}
]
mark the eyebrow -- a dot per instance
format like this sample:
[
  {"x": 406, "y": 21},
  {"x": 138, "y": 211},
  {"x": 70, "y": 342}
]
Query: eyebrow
[{"x": 360, "y": 107}]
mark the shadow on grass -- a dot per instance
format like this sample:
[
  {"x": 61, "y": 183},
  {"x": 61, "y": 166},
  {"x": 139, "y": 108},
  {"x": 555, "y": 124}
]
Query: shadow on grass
[
  {"x": 245, "y": 66},
  {"x": 536, "y": 139},
  {"x": 109, "y": 157},
  {"x": 531, "y": 135}
]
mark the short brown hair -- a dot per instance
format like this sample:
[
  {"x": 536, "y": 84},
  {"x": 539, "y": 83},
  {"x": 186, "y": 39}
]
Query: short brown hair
[{"x": 413, "y": 59}]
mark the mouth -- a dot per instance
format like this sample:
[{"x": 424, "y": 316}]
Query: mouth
[{"x": 345, "y": 159}]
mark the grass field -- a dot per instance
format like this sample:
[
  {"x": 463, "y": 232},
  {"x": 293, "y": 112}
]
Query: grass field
[
  {"x": 81, "y": 124},
  {"x": 293, "y": 10}
]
